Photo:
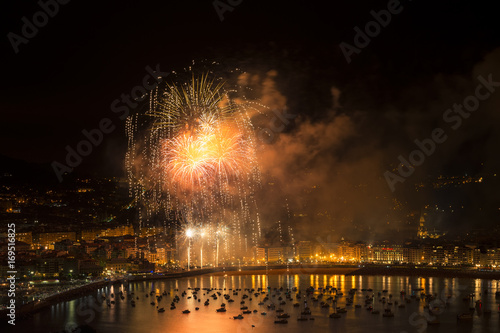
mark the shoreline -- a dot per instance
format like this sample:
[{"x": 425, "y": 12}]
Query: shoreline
[
  {"x": 292, "y": 270},
  {"x": 347, "y": 270},
  {"x": 426, "y": 272}
]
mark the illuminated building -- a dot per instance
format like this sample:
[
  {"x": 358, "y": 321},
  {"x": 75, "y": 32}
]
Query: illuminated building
[
  {"x": 304, "y": 250},
  {"x": 117, "y": 264},
  {"x": 90, "y": 234},
  {"x": 386, "y": 253},
  {"x": 26, "y": 237},
  {"x": 422, "y": 230},
  {"x": 48, "y": 239},
  {"x": 118, "y": 231},
  {"x": 274, "y": 254}
]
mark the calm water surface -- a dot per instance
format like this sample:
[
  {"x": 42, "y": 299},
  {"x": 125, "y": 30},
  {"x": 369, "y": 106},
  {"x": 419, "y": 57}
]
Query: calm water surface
[{"x": 122, "y": 317}]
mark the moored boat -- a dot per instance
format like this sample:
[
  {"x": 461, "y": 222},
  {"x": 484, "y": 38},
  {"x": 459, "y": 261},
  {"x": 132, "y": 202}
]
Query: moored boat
[
  {"x": 388, "y": 313},
  {"x": 464, "y": 316}
]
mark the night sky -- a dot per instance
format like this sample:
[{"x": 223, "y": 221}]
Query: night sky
[{"x": 394, "y": 91}]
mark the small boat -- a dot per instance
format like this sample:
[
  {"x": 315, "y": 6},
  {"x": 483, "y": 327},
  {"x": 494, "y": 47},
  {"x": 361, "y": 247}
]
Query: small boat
[
  {"x": 388, "y": 313},
  {"x": 238, "y": 317},
  {"x": 464, "y": 316},
  {"x": 161, "y": 310},
  {"x": 281, "y": 321},
  {"x": 172, "y": 308},
  {"x": 196, "y": 308},
  {"x": 335, "y": 315},
  {"x": 186, "y": 311},
  {"x": 263, "y": 313},
  {"x": 221, "y": 310},
  {"x": 284, "y": 315},
  {"x": 302, "y": 318},
  {"x": 247, "y": 312}
]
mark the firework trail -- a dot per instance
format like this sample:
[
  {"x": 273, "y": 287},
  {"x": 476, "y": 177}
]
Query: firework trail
[{"x": 197, "y": 157}]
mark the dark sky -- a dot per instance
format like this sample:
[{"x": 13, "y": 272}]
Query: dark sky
[
  {"x": 65, "y": 78},
  {"x": 353, "y": 119}
]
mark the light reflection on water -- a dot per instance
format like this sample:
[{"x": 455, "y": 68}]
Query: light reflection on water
[{"x": 144, "y": 317}]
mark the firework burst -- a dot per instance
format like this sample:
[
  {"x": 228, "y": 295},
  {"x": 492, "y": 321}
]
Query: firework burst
[{"x": 197, "y": 158}]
